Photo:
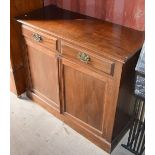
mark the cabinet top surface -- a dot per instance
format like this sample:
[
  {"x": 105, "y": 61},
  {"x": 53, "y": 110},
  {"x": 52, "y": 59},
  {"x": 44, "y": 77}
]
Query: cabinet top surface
[{"x": 105, "y": 38}]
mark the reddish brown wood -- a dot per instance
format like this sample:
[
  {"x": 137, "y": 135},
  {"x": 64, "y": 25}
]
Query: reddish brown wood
[
  {"x": 46, "y": 40},
  {"x": 84, "y": 97},
  {"x": 101, "y": 64},
  {"x": 42, "y": 67},
  {"x": 17, "y": 80},
  {"x": 125, "y": 99},
  {"x": 91, "y": 97},
  {"x": 106, "y": 39},
  {"x": 19, "y": 7}
]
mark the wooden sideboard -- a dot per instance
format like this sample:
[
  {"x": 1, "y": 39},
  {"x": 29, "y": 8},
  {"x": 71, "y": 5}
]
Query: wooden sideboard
[
  {"x": 17, "y": 69},
  {"x": 82, "y": 70}
]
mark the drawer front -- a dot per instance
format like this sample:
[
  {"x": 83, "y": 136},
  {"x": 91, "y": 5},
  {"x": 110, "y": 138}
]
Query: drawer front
[
  {"x": 88, "y": 60},
  {"x": 39, "y": 37}
]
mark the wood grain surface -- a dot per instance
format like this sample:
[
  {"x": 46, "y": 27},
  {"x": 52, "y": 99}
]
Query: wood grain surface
[
  {"x": 19, "y": 7},
  {"x": 91, "y": 92},
  {"x": 106, "y": 39}
]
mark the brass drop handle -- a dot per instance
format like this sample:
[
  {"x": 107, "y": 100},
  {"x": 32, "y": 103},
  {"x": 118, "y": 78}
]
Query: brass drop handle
[
  {"x": 84, "y": 57},
  {"x": 36, "y": 37}
]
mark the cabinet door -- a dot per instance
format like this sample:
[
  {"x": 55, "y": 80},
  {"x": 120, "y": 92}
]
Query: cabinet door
[
  {"x": 43, "y": 73},
  {"x": 84, "y": 95}
]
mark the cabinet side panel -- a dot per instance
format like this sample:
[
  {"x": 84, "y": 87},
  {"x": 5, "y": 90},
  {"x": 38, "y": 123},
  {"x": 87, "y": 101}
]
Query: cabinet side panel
[
  {"x": 125, "y": 99},
  {"x": 19, "y": 7},
  {"x": 17, "y": 81}
]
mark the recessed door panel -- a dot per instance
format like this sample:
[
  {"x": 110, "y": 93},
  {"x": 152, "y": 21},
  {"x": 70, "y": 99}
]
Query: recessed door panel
[
  {"x": 84, "y": 97},
  {"x": 44, "y": 75}
]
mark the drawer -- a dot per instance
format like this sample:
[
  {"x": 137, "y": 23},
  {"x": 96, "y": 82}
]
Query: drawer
[
  {"x": 39, "y": 37},
  {"x": 87, "y": 59}
]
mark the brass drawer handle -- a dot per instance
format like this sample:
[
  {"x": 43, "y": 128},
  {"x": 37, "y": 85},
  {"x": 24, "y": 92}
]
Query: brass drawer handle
[
  {"x": 36, "y": 37},
  {"x": 84, "y": 57}
]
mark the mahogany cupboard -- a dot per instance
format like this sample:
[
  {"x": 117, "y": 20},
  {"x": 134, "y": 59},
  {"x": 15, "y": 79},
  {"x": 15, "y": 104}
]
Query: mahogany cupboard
[
  {"x": 17, "y": 73},
  {"x": 81, "y": 70}
]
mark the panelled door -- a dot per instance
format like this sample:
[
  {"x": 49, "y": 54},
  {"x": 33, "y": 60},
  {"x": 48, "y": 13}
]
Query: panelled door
[
  {"x": 83, "y": 88},
  {"x": 42, "y": 65}
]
